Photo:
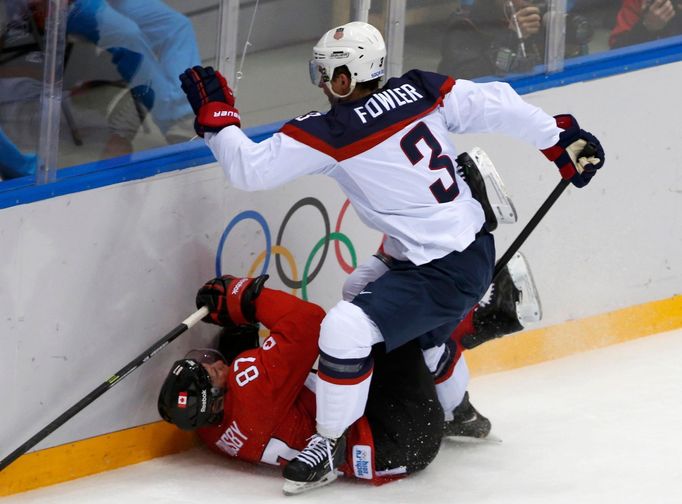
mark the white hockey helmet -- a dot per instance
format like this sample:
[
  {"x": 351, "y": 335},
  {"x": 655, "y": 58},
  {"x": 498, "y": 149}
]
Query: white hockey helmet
[{"x": 357, "y": 45}]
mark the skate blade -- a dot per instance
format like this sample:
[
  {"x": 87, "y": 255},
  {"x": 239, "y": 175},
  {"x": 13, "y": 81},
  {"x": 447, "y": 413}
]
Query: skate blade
[
  {"x": 298, "y": 487},
  {"x": 490, "y": 438},
  {"x": 499, "y": 199},
  {"x": 528, "y": 308}
]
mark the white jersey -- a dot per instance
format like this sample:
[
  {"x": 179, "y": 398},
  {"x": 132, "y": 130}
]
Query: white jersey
[{"x": 392, "y": 154}]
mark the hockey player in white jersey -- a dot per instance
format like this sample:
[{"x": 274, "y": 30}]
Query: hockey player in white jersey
[{"x": 390, "y": 150}]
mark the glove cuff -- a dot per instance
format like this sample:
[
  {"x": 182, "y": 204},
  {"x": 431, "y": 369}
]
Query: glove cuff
[
  {"x": 557, "y": 153},
  {"x": 235, "y": 293},
  {"x": 570, "y": 133},
  {"x": 578, "y": 154},
  {"x": 241, "y": 294},
  {"x": 562, "y": 160},
  {"x": 215, "y": 116}
]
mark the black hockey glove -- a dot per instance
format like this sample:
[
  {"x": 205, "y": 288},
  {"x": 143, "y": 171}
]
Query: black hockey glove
[
  {"x": 578, "y": 154},
  {"x": 211, "y": 99},
  {"x": 230, "y": 299},
  {"x": 237, "y": 339}
]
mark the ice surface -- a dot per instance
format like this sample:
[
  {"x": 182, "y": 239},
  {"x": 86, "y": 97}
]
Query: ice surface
[{"x": 600, "y": 427}]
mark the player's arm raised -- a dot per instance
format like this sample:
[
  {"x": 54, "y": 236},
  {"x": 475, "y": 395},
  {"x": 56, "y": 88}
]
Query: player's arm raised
[
  {"x": 287, "y": 355},
  {"x": 247, "y": 165},
  {"x": 495, "y": 107}
]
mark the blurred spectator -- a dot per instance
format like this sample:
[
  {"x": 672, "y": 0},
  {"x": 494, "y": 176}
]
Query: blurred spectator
[
  {"x": 151, "y": 45},
  {"x": 644, "y": 20},
  {"x": 12, "y": 162},
  {"x": 602, "y": 13},
  {"x": 498, "y": 37}
]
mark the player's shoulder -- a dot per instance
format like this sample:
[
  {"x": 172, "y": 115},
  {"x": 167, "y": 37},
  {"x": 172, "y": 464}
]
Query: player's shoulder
[
  {"x": 351, "y": 127},
  {"x": 429, "y": 85},
  {"x": 432, "y": 83},
  {"x": 311, "y": 120}
]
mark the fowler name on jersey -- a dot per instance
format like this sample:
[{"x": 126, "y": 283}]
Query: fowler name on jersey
[{"x": 389, "y": 99}]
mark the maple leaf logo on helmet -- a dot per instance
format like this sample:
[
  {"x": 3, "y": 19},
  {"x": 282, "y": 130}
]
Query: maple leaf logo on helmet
[{"x": 182, "y": 400}]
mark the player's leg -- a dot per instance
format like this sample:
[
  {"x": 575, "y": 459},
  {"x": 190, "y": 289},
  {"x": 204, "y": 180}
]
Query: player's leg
[
  {"x": 451, "y": 376},
  {"x": 365, "y": 273},
  {"x": 403, "y": 411},
  {"x": 344, "y": 375},
  {"x": 466, "y": 421},
  {"x": 296, "y": 474},
  {"x": 403, "y": 303},
  {"x": 508, "y": 306},
  {"x": 445, "y": 362},
  {"x": 486, "y": 185},
  {"x": 404, "y": 417},
  {"x": 511, "y": 303}
]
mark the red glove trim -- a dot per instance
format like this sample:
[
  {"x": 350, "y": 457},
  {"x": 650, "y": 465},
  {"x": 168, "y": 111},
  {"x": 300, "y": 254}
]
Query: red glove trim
[
  {"x": 565, "y": 121},
  {"x": 235, "y": 291},
  {"x": 229, "y": 95},
  {"x": 200, "y": 86},
  {"x": 553, "y": 152},
  {"x": 217, "y": 115},
  {"x": 567, "y": 171}
]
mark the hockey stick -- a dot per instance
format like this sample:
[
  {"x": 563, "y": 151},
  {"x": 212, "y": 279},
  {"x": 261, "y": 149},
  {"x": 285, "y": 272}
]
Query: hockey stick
[
  {"x": 528, "y": 229},
  {"x": 117, "y": 377},
  {"x": 589, "y": 151}
]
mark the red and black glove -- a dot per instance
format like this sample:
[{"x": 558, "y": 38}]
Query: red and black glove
[
  {"x": 211, "y": 99},
  {"x": 230, "y": 299},
  {"x": 578, "y": 154}
]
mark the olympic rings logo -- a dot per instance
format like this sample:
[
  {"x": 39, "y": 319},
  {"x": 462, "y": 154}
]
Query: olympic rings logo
[{"x": 279, "y": 251}]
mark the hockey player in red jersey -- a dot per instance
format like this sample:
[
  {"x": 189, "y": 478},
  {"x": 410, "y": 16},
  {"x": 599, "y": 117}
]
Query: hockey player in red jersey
[
  {"x": 260, "y": 406},
  {"x": 256, "y": 402},
  {"x": 390, "y": 149}
]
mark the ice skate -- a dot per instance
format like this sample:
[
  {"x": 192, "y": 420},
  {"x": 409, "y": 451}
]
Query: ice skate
[
  {"x": 487, "y": 187},
  {"x": 510, "y": 304},
  {"x": 315, "y": 466},
  {"x": 466, "y": 422}
]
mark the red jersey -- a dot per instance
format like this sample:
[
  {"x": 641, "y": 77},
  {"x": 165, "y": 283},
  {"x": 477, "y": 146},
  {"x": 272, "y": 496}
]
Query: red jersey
[
  {"x": 629, "y": 28},
  {"x": 269, "y": 407}
]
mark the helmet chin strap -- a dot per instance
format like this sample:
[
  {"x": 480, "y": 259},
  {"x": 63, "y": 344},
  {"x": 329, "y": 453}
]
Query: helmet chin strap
[{"x": 338, "y": 96}]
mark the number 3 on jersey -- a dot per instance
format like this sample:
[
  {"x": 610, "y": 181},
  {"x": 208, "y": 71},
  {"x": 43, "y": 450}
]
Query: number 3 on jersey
[{"x": 438, "y": 161}]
